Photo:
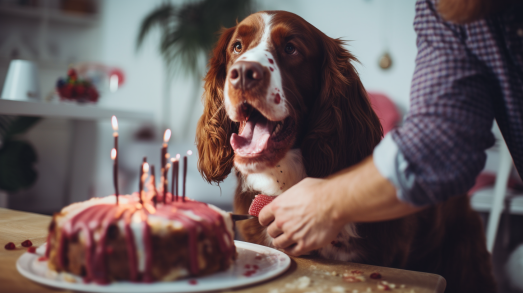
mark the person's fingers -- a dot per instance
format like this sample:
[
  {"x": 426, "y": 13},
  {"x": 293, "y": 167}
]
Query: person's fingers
[
  {"x": 273, "y": 230},
  {"x": 266, "y": 216},
  {"x": 295, "y": 250},
  {"x": 282, "y": 241}
]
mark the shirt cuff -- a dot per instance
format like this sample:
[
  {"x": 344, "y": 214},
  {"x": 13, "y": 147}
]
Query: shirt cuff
[{"x": 392, "y": 165}]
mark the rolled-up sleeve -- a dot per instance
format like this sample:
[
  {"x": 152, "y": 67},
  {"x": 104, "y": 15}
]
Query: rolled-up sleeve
[{"x": 441, "y": 144}]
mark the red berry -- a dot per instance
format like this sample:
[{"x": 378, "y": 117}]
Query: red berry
[
  {"x": 375, "y": 276},
  {"x": 258, "y": 203},
  {"x": 10, "y": 246},
  {"x": 31, "y": 249},
  {"x": 72, "y": 73},
  {"x": 255, "y": 267},
  {"x": 27, "y": 243},
  {"x": 193, "y": 282},
  {"x": 247, "y": 266}
]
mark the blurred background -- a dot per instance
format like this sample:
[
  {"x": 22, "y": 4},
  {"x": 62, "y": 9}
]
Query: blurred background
[{"x": 144, "y": 61}]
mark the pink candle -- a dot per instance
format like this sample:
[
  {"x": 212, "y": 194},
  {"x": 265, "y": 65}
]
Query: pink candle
[
  {"x": 166, "y": 138},
  {"x": 114, "y": 124},
  {"x": 115, "y": 173}
]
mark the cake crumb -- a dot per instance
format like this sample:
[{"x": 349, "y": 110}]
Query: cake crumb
[
  {"x": 369, "y": 289},
  {"x": 338, "y": 289},
  {"x": 303, "y": 282}
]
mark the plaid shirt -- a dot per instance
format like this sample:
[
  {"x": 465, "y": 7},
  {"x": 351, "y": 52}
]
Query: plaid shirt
[{"x": 465, "y": 76}]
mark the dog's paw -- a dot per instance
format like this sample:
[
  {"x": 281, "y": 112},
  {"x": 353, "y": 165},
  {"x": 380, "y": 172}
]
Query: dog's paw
[{"x": 258, "y": 203}]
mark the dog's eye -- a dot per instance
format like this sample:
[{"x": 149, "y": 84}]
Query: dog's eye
[
  {"x": 237, "y": 47},
  {"x": 290, "y": 49}
]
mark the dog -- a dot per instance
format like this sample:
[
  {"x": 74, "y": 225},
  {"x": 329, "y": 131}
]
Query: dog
[{"x": 283, "y": 101}]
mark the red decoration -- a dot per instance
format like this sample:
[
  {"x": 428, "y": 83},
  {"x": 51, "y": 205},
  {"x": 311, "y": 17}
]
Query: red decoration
[
  {"x": 31, "y": 249},
  {"x": 74, "y": 89},
  {"x": 27, "y": 243},
  {"x": 375, "y": 276},
  {"x": 10, "y": 246},
  {"x": 258, "y": 203}
]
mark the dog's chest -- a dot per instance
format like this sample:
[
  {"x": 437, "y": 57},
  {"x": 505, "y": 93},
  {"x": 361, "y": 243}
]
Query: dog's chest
[
  {"x": 274, "y": 181},
  {"x": 289, "y": 171}
]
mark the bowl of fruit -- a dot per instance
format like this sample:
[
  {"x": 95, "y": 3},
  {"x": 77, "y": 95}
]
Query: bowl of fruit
[{"x": 72, "y": 88}]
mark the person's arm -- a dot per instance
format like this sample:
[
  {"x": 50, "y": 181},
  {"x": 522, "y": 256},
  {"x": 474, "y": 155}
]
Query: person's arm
[{"x": 313, "y": 211}]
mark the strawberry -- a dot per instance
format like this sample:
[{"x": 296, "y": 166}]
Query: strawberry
[{"x": 258, "y": 203}]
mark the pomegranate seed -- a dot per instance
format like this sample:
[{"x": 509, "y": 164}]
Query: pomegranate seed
[
  {"x": 27, "y": 243},
  {"x": 31, "y": 249},
  {"x": 193, "y": 282},
  {"x": 10, "y": 246},
  {"x": 255, "y": 267},
  {"x": 247, "y": 266},
  {"x": 375, "y": 276},
  {"x": 42, "y": 258}
]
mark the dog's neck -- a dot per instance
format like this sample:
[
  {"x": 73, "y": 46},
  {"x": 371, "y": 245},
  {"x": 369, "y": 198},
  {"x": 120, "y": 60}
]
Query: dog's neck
[{"x": 274, "y": 181}]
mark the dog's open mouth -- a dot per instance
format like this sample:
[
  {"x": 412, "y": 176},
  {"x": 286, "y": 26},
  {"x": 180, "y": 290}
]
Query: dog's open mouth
[{"x": 257, "y": 134}]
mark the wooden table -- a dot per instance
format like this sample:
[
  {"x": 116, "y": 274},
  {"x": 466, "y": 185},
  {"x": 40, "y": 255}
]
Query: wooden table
[{"x": 324, "y": 276}]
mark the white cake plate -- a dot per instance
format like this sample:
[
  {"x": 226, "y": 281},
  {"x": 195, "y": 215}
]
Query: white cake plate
[{"x": 270, "y": 263}]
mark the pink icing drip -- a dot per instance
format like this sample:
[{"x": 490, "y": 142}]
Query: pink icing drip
[
  {"x": 148, "y": 253},
  {"x": 129, "y": 242}
]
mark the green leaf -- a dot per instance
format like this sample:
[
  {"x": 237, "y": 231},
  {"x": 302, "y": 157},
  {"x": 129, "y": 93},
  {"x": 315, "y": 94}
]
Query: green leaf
[{"x": 17, "y": 160}]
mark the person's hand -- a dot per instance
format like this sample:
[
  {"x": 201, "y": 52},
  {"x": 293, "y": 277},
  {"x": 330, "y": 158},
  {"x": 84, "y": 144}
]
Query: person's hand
[{"x": 303, "y": 218}]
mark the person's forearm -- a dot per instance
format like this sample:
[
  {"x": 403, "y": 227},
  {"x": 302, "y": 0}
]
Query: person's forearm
[{"x": 362, "y": 194}]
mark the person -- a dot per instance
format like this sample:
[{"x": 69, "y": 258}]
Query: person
[{"x": 469, "y": 70}]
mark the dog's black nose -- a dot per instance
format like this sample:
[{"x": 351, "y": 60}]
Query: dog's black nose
[{"x": 245, "y": 75}]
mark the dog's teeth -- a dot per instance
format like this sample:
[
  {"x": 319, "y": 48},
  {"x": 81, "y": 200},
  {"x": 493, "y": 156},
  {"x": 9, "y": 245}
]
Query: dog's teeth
[{"x": 277, "y": 128}]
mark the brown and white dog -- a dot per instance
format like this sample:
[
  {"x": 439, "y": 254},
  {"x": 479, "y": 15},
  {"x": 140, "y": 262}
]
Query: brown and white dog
[{"x": 282, "y": 102}]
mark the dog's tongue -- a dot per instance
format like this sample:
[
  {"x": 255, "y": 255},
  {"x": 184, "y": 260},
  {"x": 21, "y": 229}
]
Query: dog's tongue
[{"x": 254, "y": 137}]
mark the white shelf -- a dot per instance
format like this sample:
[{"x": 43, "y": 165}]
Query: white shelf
[
  {"x": 67, "y": 110},
  {"x": 481, "y": 201},
  {"x": 53, "y": 15}
]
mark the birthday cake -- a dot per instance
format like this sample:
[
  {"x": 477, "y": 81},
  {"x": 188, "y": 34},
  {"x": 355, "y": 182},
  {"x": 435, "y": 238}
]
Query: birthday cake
[{"x": 103, "y": 241}]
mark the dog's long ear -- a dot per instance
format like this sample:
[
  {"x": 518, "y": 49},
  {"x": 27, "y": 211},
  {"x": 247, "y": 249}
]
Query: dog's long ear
[
  {"x": 342, "y": 127},
  {"x": 214, "y": 127}
]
